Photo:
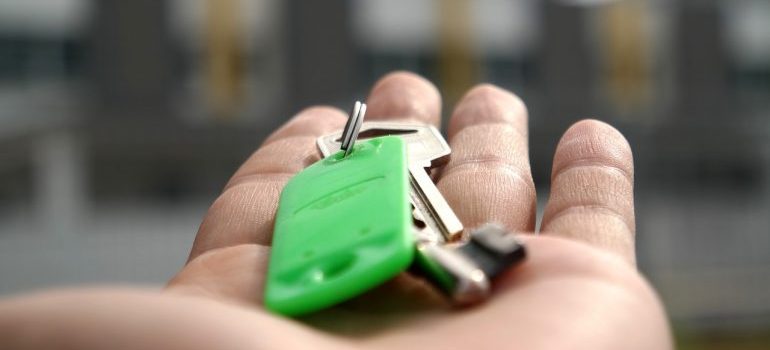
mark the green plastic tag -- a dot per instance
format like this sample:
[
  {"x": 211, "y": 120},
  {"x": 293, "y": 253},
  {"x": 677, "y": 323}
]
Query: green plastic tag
[{"x": 343, "y": 226}]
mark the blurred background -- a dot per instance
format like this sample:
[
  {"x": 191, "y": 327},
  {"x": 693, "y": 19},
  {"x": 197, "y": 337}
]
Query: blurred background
[{"x": 120, "y": 121}]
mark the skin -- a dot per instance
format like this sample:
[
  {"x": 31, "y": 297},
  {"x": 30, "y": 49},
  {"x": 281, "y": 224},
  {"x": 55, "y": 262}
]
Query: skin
[{"x": 578, "y": 289}]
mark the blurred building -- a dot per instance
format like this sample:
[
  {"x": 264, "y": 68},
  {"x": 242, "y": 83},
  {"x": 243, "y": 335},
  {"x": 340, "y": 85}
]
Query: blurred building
[{"x": 121, "y": 120}]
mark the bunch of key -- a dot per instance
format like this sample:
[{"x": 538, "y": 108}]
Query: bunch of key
[{"x": 368, "y": 211}]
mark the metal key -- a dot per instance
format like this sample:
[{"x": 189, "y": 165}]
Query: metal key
[{"x": 427, "y": 149}]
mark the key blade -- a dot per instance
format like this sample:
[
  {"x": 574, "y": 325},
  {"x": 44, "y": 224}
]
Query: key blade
[
  {"x": 426, "y": 149},
  {"x": 431, "y": 231},
  {"x": 438, "y": 215},
  {"x": 425, "y": 144}
]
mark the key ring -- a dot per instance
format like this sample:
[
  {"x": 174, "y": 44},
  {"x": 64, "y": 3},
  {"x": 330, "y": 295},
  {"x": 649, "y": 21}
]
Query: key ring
[{"x": 353, "y": 127}]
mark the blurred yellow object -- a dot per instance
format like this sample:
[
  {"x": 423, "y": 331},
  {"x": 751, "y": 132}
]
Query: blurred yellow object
[
  {"x": 626, "y": 54},
  {"x": 456, "y": 64},
  {"x": 223, "y": 57}
]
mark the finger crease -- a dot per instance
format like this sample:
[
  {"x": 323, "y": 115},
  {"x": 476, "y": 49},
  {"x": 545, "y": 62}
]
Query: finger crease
[
  {"x": 596, "y": 208},
  {"x": 259, "y": 177},
  {"x": 499, "y": 126},
  {"x": 492, "y": 163},
  {"x": 594, "y": 163}
]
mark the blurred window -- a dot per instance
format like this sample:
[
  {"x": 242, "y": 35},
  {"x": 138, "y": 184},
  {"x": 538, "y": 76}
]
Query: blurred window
[{"x": 41, "y": 40}]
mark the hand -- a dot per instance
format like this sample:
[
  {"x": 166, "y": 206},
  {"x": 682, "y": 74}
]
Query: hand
[{"x": 578, "y": 288}]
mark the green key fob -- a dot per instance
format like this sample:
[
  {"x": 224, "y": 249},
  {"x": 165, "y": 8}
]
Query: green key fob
[{"x": 343, "y": 226}]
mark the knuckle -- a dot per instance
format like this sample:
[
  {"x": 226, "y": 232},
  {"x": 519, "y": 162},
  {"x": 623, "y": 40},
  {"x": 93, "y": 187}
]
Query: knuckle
[
  {"x": 592, "y": 185},
  {"x": 483, "y": 195},
  {"x": 472, "y": 143},
  {"x": 597, "y": 214},
  {"x": 590, "y": 191},
  {"x": 515, "y": 173},
  {"x": 588, "y": 175}
]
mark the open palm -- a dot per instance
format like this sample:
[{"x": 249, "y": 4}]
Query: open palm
[{"x": 578, "y": 288}]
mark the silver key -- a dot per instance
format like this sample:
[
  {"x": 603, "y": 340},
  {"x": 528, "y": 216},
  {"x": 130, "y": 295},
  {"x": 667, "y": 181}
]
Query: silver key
[{"x": 427, "y": 149}]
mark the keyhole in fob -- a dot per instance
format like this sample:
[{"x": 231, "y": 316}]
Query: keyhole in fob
[
  {"x": 333, "y": 267},
  {"x": 417, "y": 219}
]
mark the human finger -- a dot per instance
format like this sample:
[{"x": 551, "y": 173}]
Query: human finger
[
  {"x": 488, "y": 178},
  {"x": 592, "y": 197},
  {"x": 404, "y": 96}
]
